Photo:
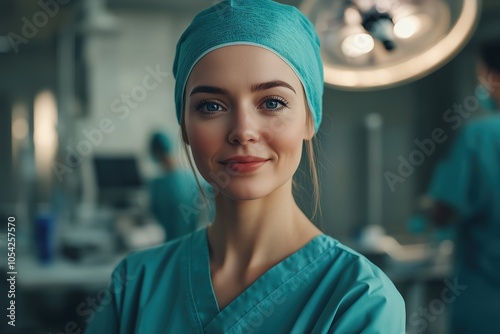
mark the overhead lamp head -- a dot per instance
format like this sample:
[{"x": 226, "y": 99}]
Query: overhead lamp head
[
  {"x": 380, "y": 26},
  {"x": 373, "y": 44}
]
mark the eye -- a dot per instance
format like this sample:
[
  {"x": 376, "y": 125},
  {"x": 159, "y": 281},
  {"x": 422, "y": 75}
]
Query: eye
[
  {"x": 272, "y": 104},
  {"x": 208, "y": 107},
  {"x": 212, "y": 106},
  {"x": 275, "y": 103}
]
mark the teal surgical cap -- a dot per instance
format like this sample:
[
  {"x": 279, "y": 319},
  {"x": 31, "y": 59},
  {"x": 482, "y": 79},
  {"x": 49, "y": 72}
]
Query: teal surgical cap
[
  {"x": 160, "y": 143},
  {"x": 279, "y": 28}
]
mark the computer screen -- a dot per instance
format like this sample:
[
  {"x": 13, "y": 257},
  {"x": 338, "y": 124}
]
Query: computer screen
[{"x": 117, "y": 172}]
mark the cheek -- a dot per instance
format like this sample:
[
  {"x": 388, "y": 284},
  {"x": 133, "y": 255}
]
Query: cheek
[
  {"x": 288, "y": 142},
  {"x": 203, "y": 140}
]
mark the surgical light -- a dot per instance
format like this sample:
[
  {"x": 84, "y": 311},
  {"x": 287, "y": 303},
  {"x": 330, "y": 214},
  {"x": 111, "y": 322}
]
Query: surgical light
[{"x": 373, "y": 44}]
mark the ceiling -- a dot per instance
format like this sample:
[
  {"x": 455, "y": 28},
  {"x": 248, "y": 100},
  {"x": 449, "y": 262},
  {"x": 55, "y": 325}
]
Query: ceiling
[
  {"x": 195, "y": 5},
  {"x": 184, "y": 5},
  {"x": 12, "y": 11},
  {"x": 13, "y": 8}
]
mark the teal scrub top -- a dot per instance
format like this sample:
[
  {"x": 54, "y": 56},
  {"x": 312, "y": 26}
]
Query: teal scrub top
[
  {"x": 324, "y": 287},
  {"x": 176, "y": 203},
  {"x": 468, "y": 180}
]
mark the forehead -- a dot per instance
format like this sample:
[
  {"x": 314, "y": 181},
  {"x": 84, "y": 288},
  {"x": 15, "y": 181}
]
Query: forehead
[{"x": 238, "y": 66}]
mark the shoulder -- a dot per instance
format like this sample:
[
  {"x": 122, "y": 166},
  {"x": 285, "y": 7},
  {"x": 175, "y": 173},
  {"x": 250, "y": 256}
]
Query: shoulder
[
  {"x": 365, "y": 298},
  {"x": 481, "y": 126},
  {"x": 151, "y": 260},
  {"x": 349, "y": 259},
  {"x": 492, "y": 120},
  {"x": 362, "y": 279},
  {"x": 360, "y": 262}
]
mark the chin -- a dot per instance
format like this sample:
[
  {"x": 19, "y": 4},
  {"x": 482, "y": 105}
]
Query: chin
[
  {"x": 245, "y": 192},
  {"x": 242, "y": 195}
]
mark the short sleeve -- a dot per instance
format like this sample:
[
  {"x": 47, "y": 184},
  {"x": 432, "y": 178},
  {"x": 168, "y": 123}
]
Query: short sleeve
[
  {"x": 373, "y": 306},
  {"x": 105, "y": 317}
]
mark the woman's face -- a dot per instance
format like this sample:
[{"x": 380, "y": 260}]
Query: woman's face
[
  {"x": 245, "y": 120},
  {"x": 490, "y": 79}
]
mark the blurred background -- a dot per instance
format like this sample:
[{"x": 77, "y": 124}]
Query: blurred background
[{"x": 86, "y": 83}]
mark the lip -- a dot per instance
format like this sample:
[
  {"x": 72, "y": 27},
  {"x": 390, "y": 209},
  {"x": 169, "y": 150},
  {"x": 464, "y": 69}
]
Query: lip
[
  {"x": 247, "y": 163},
  {"x": 241, "y": 159}
]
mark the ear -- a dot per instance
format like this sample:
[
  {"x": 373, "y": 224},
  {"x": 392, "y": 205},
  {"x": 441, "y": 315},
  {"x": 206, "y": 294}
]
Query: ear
[
  {"x": 309, "y": 126},
  {"x": 308, "y": 132}
]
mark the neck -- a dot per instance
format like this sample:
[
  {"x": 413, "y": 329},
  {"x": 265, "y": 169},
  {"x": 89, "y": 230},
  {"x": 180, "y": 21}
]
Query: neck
[{"x": 254, "y": 232}]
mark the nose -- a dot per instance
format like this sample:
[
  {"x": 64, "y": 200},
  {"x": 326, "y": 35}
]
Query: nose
[{"x": 244, "y": 127}]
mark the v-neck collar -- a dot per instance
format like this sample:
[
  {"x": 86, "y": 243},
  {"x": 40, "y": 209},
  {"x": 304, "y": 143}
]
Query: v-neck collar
[{"x": 204, "y": 304}]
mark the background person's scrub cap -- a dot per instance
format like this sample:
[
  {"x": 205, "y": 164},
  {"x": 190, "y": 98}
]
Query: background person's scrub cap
[{"x": 279, "y": 28}]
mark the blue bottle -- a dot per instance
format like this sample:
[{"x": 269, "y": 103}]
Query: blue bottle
[{"x": 45, "y": 238}]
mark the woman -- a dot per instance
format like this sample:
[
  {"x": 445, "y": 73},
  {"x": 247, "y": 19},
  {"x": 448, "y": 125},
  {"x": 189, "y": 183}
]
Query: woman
[
  {"x": 249, "y": 84},
  {"x": 174, "y": 195}
]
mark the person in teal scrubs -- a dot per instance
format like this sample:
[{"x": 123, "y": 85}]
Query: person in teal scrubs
[
  {"x": 466, "y": 191},
  {"x": 174, "y": 196},
  {"x": 249, "y": 86}
]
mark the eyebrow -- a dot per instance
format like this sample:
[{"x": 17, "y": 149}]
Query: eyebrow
[
  {"x": 254, "y": 88},
  {"x": 271, "y": 84}
]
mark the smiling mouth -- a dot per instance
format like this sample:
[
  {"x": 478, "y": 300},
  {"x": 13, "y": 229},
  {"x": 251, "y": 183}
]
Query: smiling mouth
[{"x": 244, "y": 164}]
